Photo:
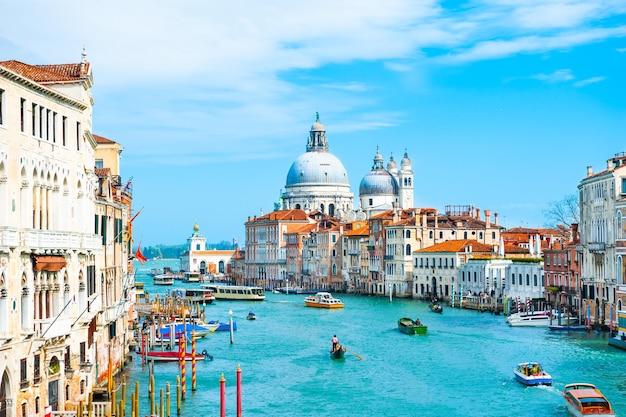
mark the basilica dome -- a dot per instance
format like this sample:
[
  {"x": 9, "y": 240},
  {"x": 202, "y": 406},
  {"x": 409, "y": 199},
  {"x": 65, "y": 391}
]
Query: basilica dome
[
  {"x": 378, "y": 182},
  {"x": 317, "y": 168}
]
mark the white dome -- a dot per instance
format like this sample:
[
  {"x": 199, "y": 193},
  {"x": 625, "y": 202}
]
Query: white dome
[{"x": 317, "y": 168}]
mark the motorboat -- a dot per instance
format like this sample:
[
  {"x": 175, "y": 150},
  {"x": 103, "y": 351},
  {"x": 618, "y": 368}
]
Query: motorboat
[
  {"x": 409, "y": 326},
  {"x": 618, "y": 336},
  {"x": 323, "y": 300},
  {"x": 531, "y": 373},
  {"x": 529, "y": 319},
  {"x": 585, "y": 400}
]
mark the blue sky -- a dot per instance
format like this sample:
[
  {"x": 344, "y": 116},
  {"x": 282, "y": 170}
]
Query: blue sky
[{"x": 500, "y": 104}]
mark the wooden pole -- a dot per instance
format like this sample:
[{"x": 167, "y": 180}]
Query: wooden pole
[
  {"x": 167, "y": 400},
  {"x": 222, "y": 396},
  {"x": 136, "y": 398},
  {"x": 193, "y": 359},
  {"x": 161, "y": 413},
  {"x": 177, "y": 395},
  {"x": 152, "y": 395},
  {"x": 238, "y": 391}
]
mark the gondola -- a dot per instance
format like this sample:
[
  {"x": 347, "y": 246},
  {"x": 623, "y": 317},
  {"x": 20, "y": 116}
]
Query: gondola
[
  {"x": 435, "y": 307},
  {"x": 338, "y": 352}
]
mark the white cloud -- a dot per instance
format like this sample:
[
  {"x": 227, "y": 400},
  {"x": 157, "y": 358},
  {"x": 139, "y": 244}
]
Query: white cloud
[
  {"x": 588, "y": 81},
  {"x": 556, "y": 77}
]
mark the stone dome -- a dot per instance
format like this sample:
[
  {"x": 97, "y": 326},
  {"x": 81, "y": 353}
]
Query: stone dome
[
  {"x": 317, "y": 168},
  {"x": 377, "y": 182}
]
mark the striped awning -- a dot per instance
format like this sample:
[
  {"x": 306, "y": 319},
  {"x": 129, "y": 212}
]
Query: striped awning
[{"x": 48, "y": 262}]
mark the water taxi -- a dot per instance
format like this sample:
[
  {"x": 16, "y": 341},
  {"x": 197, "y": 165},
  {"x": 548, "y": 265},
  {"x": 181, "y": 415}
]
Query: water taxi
[
  {"x": 191, "y": 277},
  {"x": 236, "y": 292},
  {"x": 585, "y": 400},
  {"x": 163, "y": 279},
  {"x": 323, "y": 300},
  {"x": 531, "y": 373}
]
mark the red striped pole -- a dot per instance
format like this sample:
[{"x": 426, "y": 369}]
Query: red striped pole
[
  {"x": 238, "y": 391},
  {"x": 222, "y": 396},
  {"x": 193, "y": 359},
  {"x": 183, "y": 367}
]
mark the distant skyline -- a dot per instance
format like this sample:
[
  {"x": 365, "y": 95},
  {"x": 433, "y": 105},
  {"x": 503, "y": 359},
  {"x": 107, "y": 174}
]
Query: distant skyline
[{"x": 499, "y": 104}]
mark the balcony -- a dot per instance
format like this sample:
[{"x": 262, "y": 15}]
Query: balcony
[
  {"x": 51, "y": 328},
  {"x": 46, "y": 239},
  {"x": 9, "y": 237},
  {"x": 596, "y": 247}
]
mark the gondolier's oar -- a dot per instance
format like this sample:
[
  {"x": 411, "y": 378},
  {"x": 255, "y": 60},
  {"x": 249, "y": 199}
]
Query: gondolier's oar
[{"x": 354, "y": 354}]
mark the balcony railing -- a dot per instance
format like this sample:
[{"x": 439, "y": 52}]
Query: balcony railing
[
  {"x": 596, "y": 247},
  {"x": 51, "y": 328},
  {"x": 46, "y": 239}
]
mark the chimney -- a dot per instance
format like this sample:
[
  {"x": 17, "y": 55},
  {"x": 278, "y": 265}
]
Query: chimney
[
  {"x": 589, "y": 171},
  {"x": 487, "y": 218},
  {"x": 424, "y": 219},
  {"x": 609, "y": 165},
  {"x": 495, "y": 218},
  {"x": 477, "y": 213},
  {"x": 575, "y": 236}
]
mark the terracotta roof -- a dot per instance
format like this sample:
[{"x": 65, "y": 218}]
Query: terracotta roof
[
  {"x": 103, "y": 140},
  {"x": 458, "y": 246},
  {"x": 48, "y": 73},
  {"x": 361, "y": 231},
  {"x": 292, "y": 215}
]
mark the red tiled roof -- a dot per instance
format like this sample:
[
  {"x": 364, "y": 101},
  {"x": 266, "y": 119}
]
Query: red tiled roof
[
  {"x": 103, "y": 140},
  {"x": 458, "y": 246},
  {"x": 48, "y": 73}
]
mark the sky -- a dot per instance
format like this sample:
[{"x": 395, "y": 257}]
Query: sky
[{"x": 499, "y": 104}]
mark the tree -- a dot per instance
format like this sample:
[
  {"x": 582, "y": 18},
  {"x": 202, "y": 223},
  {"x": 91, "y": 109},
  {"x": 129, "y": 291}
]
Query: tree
[{"x": 563, "y": 213}]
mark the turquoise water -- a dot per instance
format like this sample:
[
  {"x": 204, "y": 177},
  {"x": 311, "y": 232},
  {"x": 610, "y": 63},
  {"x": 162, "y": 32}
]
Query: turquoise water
[{"x": 463, "y": 367}]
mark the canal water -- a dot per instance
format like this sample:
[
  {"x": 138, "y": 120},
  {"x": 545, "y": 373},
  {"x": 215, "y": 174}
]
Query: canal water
[{"x": 462, "y": 367}]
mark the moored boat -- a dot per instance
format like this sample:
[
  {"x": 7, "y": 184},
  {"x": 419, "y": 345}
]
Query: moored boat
[
  {"x": 195, "y": 329},
  {"x": 531, "y": 319},
  {"x": 618, "y": 338},
  {"x": 585, "y": 400},
  {"x": 531, "y": 373},
  {"x": 171, "y": 355},
  {"x": 408, "y": 326},
  {"x": 323, "y": 300},
  {"x": 338, "y": 352},
  {"x": 223, "y": 327}
]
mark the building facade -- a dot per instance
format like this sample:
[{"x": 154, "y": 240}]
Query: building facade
[{"x": 64, "y": 284}]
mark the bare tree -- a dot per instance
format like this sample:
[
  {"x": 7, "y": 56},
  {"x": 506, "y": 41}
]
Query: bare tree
[{"x": 563, "y": 213}]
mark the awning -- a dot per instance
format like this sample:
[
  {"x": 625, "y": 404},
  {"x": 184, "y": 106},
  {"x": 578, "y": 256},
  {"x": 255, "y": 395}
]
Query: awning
[{"x": 48, "y": 262}]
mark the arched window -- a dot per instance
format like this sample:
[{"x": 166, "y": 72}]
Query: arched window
[
  {"x": 331, "y": 209},
  {"x": 297, "y": 206},
  {"x": 334, "y": 269},
  {"x": 408, "y": 234},
  {"x": 408, "y": 250}
]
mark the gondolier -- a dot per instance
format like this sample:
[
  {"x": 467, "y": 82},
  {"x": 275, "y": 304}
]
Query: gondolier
[{"x": 335, "y": 342}]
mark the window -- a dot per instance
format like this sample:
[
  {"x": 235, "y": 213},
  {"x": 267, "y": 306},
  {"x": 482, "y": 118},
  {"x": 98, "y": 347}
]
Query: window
[
  {"x": 464, "y": 235},
  {"x": 78, "y": 135},
  {"x": 334, "y": 238},
  {"x": 408, "y": 234},
  {"x": 33, "y": 116},
  {"x": 54, "y": 127},
  {"x": 22, "y": 114},
  {"x": 371, "y": 201},
  {"x": 41, "y": 114},
  {"x": 63, "y": 130},
  {"x": 36, "y": 367},
  {"x": 23, "y": 369},
  {"x": 2, "y": 101},
  {"x": 91, "y": 279},
  {"x": 408, "y": 250},
  {"x": 83, "y": 352},
  {"x": 440, "y": 235}
]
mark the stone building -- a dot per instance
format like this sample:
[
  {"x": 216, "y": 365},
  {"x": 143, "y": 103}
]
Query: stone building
[{"x": 65, "y": 282}]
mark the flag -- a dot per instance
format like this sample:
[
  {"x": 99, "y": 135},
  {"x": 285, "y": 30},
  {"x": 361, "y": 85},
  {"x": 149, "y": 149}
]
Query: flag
[{"x": 139, "y": 256}]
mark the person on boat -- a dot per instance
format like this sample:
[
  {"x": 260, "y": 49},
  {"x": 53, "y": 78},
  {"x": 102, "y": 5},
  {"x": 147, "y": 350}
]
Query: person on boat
[
  {"x": 250, "y": 313},
  {"x": 335, "y": 342},
  {"x": 417, "y": 322}
]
